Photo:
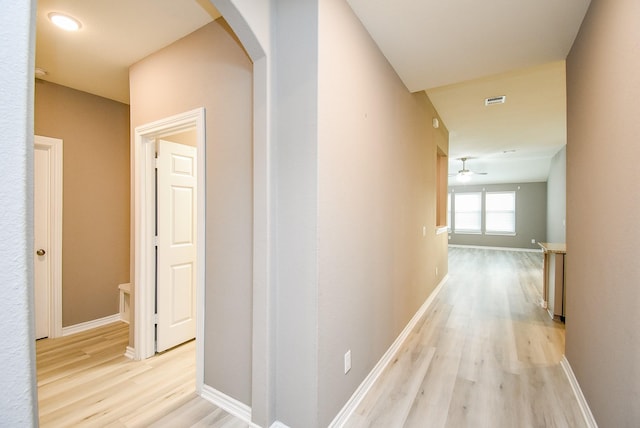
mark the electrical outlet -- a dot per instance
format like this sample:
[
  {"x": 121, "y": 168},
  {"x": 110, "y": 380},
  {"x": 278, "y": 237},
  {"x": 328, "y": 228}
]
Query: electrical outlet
[
  {"x": 347, "y": 361},
  {"x": 424, "y": 230},
  {"x": 533, "y": 241},
  {"x": 436, "y": 270}
]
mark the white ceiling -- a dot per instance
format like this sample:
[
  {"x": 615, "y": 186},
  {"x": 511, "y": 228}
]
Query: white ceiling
[
  {"x": 463, "y": 51},
  {"x": 114, "y": 35},
  {"x": 459, "y": 51},
  {"x": 511, "y": 142}
]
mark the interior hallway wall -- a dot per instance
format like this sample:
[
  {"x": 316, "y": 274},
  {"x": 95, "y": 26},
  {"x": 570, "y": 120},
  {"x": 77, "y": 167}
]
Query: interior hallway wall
[
  {"x": 603, "y": 208},
  {"x": 210, "y": 69},
  {"x": 557, "y": 198},
  {"x": 379, "y": 256},
  {"x": 296, "y": 201},
  {"x": 95, "y": 207}
]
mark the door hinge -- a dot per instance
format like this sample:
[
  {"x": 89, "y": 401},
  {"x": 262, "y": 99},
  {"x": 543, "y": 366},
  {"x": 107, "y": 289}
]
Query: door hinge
[
  {"x": 155, "y": 240},
  {"x": 155, "y": 319},
  {"x": 155, "y": 162}
]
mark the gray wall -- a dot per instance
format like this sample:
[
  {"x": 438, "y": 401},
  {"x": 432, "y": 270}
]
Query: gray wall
[
  {"x": 557, "y": 198},
  {"x": 603, "y": 208},
  {"x": 531, "y": 216},
  {"x": 210, "y": 69},
  {"x": 297, "y": 201}
]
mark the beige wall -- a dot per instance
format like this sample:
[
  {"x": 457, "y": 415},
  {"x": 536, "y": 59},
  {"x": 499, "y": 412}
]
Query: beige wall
[
  {"x": 209, "y": 69},
  {"x": 377, "y": 156},
  {"x": 603, "y": 208},
  {"x": 95, "y": 251}
]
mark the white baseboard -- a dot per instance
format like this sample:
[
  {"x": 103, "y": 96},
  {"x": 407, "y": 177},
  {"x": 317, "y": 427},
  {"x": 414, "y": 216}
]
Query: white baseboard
[
  {"x": 228, "y": 404},
  {"x": 343, "y": 415},
  {"x": 482, "y": 247},
  {"x": 575, "y": 386},
  {"x": 130, "y": 353},
  {"x": 84, "y": 326}
]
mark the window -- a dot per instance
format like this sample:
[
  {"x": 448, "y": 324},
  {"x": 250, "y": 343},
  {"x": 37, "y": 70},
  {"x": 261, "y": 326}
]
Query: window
[
  {"x": 500, "y": 210},
  {"x": 468, "y": 212}
]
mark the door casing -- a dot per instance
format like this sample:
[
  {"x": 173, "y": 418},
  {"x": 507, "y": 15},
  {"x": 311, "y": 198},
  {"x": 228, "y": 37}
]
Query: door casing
[
  {"x": 54, "y": 252},
  {"x": 144, "y": 226}
]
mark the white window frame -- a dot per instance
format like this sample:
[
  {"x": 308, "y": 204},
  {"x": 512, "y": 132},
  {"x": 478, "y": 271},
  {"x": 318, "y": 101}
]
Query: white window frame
[
  {"x": 457, "y": 229},
  {"x": 488, "y": 212},
  {"x": 449, "y": 211}
]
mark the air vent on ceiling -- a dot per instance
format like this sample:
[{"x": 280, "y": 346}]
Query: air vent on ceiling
[{"x": 495, "y": 100}]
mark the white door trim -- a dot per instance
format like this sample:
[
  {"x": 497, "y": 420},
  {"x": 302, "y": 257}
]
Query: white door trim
[
  {"x": 54, "y": 146},
  {"x": 144, "y": 203}
]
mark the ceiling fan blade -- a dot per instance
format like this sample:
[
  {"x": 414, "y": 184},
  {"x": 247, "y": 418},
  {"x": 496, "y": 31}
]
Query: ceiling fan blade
[{"x": 464, "y": 171}]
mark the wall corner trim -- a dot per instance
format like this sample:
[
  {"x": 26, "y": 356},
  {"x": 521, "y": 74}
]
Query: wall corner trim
[
  {"x": 84, "y": 326},
  {"x": 228, "y": 404},
  {"x": 575, "y": 386},
  {"x": 130, "y": 353},
  {"x": 343, "y": 415}
]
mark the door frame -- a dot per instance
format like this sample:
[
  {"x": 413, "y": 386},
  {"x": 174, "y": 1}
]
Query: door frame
[
  {"x": 54, "y": 147},
  {"x": 144, "y": 226}
]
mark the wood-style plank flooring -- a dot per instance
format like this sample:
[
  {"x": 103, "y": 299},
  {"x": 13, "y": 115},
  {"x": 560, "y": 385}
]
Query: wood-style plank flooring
[
  {"x": 484, "y": 355},
  {"x": 85, "y": 380}
]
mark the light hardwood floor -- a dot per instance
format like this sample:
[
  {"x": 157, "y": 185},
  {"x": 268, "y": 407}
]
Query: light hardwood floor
[
  {"x": 484, "y": 355},
  {"x": 85, "y": 380}
]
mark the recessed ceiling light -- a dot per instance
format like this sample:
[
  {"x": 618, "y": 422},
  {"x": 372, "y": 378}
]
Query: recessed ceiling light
[
  {"x": 41, "y": 72},
  {"x": 64, "y": 21}
]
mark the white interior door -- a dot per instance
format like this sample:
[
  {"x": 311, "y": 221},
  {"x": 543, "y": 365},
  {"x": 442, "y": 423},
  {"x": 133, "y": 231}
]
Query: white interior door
[
  {"x": 42, "y": 225},
  {"x": 176, "y": 265}
]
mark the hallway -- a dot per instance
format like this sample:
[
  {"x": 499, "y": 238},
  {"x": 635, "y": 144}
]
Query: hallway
[{"x": 484, "y": 355}]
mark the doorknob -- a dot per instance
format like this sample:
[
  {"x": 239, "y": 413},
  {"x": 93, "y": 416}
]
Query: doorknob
[{"x": 40, "y": 252}]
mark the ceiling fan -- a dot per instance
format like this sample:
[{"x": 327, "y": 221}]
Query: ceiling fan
[{"x": 464, "y": 175}]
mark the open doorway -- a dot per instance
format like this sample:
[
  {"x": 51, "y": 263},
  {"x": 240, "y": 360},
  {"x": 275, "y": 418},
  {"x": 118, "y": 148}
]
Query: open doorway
[{"x": 189, "y": 125}]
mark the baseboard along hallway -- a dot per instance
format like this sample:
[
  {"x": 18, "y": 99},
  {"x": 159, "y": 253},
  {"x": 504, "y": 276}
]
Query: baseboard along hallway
[{"x": 485, "y": 354}]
